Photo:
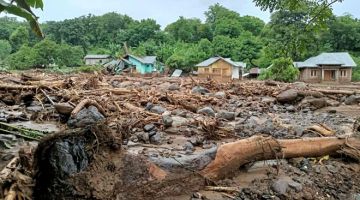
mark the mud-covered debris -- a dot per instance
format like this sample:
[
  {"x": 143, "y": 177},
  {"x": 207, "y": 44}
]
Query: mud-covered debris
[
  {"x": 157, "y": 109},
  {"x": 220, "y": 95},
  {"x": 223, "y": 114},
  {"x": 352, "y": 100},
  {"x": 173, "y": 87}
]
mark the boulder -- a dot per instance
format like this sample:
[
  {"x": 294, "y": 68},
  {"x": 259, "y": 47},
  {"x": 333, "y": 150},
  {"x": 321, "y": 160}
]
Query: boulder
[
  {"x": 352, "y": 100},
  {"x": 157, "y": 109},
  {"x": 143, "y": 137},
  {"x": 199, "y": 90},
  {"x": 220, "y": 95},
  {"x": 149, "y": 127},
  {"x": 179, "y": 121},
  {"x": 157, "y": 138},
  {"x": 226, "y": 115},
  {"x": 167, "y": 120},
  {"x": 280, "y": 186},
  {"x": 173, "y": 87},
  {"x": 207, "y": 111},
  {"x": 87, "y": 116},
  {"x": 318, "y": 102},
  {"x": 287, "y": 96}
]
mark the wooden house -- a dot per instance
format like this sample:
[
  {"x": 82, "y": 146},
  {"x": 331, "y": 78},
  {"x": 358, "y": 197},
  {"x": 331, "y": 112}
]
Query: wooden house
[
  {"x": 144, "y": 64},
  {"x": 327, "y": 67},
  {"x": 219, "y": 68}
]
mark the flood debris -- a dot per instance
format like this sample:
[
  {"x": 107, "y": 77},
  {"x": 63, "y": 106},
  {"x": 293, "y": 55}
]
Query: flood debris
[{"x": 160, "y": 137}]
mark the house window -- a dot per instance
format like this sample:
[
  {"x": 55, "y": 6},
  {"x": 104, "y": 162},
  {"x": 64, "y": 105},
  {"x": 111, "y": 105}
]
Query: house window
[
  {"x": 206, "y": 70},
  {"x": 343, "y": 73},
  {"x": 217, "y": 71},
  {"x": 313, "y": 73}
]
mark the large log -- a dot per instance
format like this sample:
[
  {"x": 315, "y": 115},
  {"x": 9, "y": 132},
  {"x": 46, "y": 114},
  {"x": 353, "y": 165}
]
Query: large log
[{"x": 231, "y": 156}]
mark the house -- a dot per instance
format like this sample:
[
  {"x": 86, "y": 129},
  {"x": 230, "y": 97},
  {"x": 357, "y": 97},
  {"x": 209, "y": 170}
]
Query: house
[
  {"x": 253, "y": 73},
  {"x": 327, "y": 67},
  {"x": 220, "y": 68},
  {"x": 145, "y": 64},
  {"x": 118, "y": 65},
  {"x": 96, "y": 59}
]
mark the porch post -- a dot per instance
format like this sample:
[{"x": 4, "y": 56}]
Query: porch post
[{"x": 322, "y": 74}]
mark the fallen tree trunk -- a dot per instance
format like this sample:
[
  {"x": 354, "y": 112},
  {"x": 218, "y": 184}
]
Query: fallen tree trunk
[
  {"x": 231, "y": 156},
  {"x": 346, "y": 92}
]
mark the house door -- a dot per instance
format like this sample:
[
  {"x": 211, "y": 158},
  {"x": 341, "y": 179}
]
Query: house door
[{"x": 329, "y": 75}]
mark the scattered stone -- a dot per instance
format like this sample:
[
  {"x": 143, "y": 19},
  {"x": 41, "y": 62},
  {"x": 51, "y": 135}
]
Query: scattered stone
[
  {"x": 287, "y": 96},
  {"x": 143, "y": 136},
  {"x": 156, "y": 138},
  {"x": 352, "y": 100},
  {"x": 305, "y": 165},
  {"x": 158, "y": 109},
  {"x": 297, "y": 186},
  {"x": 207, "y": 111},
  {"x": 173, "y": 87},
  {"x": 34, "y": 108},
  {"x": 226, "y": 115},
  {"x": 220, "y": 95},
  {"x": 149, "y": 127},
  {"x": 188, "y": 147},
  {"x": 280, "y": 186},
  {"x": 290, "y": 108},
  {"x": 268, "y": 100},
  {"x": 179, "y": 121},
  {"x": 318, "y": 102},
  {"x": 87, "y": 116},
  {"x": 200, "y": 90},
  {"x": 152, "y": 133},
  {"x": 167, "y": 120},
  {"x": 148, "y": 106}
]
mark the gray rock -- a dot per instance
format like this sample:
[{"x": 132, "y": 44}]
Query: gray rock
[
  {"x": 188, "y": 146},
  {"x": 332, "y": 169},
  {"x": 300, "y": 84},
  {"x": 200, "y": 90},
  {"x": 157, "y": 138},
  {"x": 287, "y": 96},
  {"x": 352, "y": 100},
  {"x": 318, "y": 102},
  {"x": 207, "y": 111},
  {"x": 297, "y": 186},
  {"x": 167, "y": 120},
  {"x": 220, "y": 95},
  {"x": 148, "y": 106},
  {"x": 143, "y": 136},
  {"x": 268, "y": 100},
  {"x": 149, "y": 127},
  {"x": 280, "y": 186},
  {"x": 290, "y": 108},
  {"x": 173, "y": 87},
  {"x": 179, "y": 121},
  {"x": 357, "y": 196},
  {"x": 226, "y": 115},
  {"x": 157, "y": 109},
  {"x": 87, "y": 116},
  {"x": 34, "y": 108}
]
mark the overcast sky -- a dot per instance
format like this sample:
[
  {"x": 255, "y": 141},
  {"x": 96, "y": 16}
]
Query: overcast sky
[{"x": 163, "y": 11}]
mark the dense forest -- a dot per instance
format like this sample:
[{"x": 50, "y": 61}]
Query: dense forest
[{"x": 290, "y": 34}]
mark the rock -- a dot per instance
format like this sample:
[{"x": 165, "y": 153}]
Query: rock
[
  {"x": 357, "y": 196},
  {"x": 332, "y": 169},
  {"x": 34, "y": 108},
  {"x": 305, "y": 165},
  {"x": 280, "y": 186},
  {"x": 152, "y": 133},
  {"x": 226, "y": 115},
  {"x": 290, "y": 109},
  {"x": 200, "y": 90},
  {"x": 157, "y": 109},
  {"x": 318, "y": 102},
  {"x": 352, "y": 100},
  {"x": 207, "y": 111},
  {"x": 87, "y": 116},
  {"x": 167, "y": 120},
  {"x": 157, "y": 138},
  {"x": 125, "y": 84},
  {"x": 287, "y": 96},
  {"x": 220, "y": 95},
  {"x": 143, "y": 136},
  {"x": 332, "y": 102},
  {"x": 179, "y": 121},
  {"x": 173, "y": 87},
  {"x": 148, "y": 106},
  {"x": 149, "y": 127},
  {"x": 188, "y": 147},
  {"x": 300, "y": 84},
  {"x": 297, "y": 186},
  {"x": 64, "y": 108},
  {"x": 268, "y": 100}
]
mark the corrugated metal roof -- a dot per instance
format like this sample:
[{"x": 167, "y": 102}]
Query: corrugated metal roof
[
  {"x": 145, "y": 59},
  {"x": 337, "y": 58},
  {"x": 212, "y": 60},
  {"x": 177, "y": 73},
  {"x": 97, "y": 56},
  {"x": 255, "y": 70}
]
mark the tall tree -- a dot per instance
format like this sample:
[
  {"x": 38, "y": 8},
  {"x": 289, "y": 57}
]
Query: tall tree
[
  {"x": 19, "y": 38},
  {"x": 5, "y": 49},
  {"x": 189, "y": 30}
]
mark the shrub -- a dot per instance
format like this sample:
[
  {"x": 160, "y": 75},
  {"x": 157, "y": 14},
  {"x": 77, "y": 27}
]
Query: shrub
[{"x": 282, "y": 69}]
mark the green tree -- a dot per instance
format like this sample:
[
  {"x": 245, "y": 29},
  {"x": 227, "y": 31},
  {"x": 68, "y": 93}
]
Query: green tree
[
  {"x": 70, "y": 56},
  {"x": 19, "y": 38},
  {"x": 23, "y": 59},
  {"x": 252, "y": 24},
  {"x": 45, "y": 53},
  {"x": 249, "y": 49},
  {"x": 224, "y": 46},
  {"x": 282, "y": 69},
  {"x": 189, "y": 30},
  {"x": 5, "y": 49}
]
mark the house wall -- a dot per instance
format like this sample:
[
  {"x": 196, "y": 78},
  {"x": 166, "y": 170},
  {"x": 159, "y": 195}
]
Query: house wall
[
  {"x": 219, "y": 70},
  {"x": 140, "y": 67},
  {"x": 305, "y": 74},
  {"x": 92, "y": 61}
]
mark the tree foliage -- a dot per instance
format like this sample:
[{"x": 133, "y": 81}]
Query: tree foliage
[
  {"x": 19, "y": 38},
  {"x": 5, "y": 49},
  {"x": 282, "y": 69}
]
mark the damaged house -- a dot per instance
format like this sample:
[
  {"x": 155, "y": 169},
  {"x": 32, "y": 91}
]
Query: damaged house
[
  {"x": 327, "y": 67},
  {"x": 145, "y": 64},
  {"x": 219, "y": 68},
  {"x": 96, "y": 59}
]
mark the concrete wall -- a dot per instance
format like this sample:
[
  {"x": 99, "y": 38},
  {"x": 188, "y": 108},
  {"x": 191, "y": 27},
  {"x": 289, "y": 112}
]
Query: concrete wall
[
  {"x": 347, "y": 77},
  {"x": 305, "y": 74},
  {"x": 140, "y": 67}
]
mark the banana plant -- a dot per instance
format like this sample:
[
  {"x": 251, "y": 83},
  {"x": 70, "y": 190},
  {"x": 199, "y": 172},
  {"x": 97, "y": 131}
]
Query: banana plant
[{"x": 22, "y": 8}]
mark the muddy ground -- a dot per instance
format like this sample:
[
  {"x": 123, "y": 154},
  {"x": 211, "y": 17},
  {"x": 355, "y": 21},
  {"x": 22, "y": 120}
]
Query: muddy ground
[{"x": 160, "y": 132}]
